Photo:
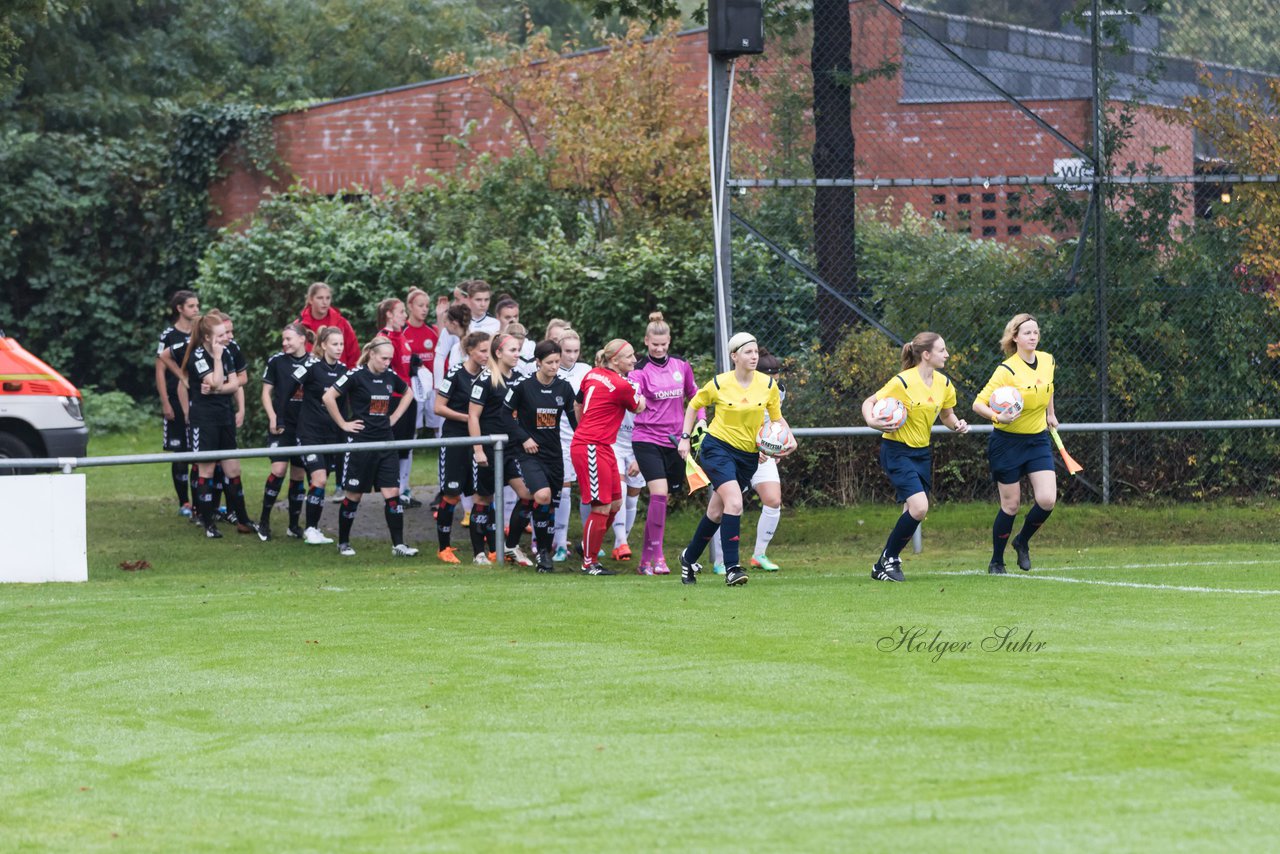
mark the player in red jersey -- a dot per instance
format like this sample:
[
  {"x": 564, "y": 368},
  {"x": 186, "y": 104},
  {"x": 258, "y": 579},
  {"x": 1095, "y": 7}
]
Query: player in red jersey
[
  {"x": 320, "y": 311},
  {"x": 604, "y": 398},
  {"x": 422, "y": 336},
  {"x": 392, "y": 318}
]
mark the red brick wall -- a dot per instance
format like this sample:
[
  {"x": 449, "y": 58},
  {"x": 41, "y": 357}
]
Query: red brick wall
[{"x": 384, "y": 138}]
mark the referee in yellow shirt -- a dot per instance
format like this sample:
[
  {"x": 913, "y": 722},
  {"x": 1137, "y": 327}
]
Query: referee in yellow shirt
[
  {"x": 1020, "y": 444},
  {"x": 741, "y": 398},
  {"x": 905, "y": 455}
]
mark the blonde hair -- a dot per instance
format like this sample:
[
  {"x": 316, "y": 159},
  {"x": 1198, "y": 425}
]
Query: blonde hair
[
  {"x": 555, "y": 325},
  {"x": 657, "y": 326},
  {"x": 913, "y": 351},
  {"x": 1011, "y": 331},
  {"x": 496, "y": 378},
  {"x": 315, "y": 287},
  {"x": 570, "y": 332},
  {"x": 323, "y": 334},
  {"x": 415, "y": 292},
  {"x": 516, "y": 330},
  {"x": 378, "y": 341},
  {"x": 611, "y": 351}
]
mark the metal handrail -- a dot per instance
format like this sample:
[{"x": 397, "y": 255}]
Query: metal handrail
[{"x": 499, "y": 441}]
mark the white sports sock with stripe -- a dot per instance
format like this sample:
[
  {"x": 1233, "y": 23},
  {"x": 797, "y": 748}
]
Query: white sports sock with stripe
[{"x": 766, "y": 528}]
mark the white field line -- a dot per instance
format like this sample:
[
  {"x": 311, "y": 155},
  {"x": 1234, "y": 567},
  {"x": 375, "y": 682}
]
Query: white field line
[
  {"x": 1176, "y": 565},
  {"x": 1133, "y": 584},
  {"x": 1177, "y": 587}
]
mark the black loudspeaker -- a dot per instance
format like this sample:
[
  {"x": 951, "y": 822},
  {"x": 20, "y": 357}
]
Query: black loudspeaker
[{"x": 735, "y": 27}]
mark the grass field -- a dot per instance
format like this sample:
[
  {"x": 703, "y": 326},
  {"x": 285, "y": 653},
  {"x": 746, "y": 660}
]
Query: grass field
[{"x": 248, "y": 696}]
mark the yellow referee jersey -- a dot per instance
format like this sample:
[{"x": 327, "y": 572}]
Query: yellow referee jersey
[
  {"x": 1036, "y": 385},
  {"x": 923, "y": 403},
  {"x": 739, "y": 411}
]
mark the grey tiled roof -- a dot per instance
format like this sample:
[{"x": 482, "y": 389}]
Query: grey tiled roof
[{"x": 1040, "y": 65}]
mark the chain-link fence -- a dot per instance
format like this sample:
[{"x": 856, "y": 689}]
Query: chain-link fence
[{"x": 967, "y": 193}]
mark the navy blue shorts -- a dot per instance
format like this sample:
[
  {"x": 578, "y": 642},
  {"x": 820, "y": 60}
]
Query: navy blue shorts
[
  {"x": 723, "y": 462},
  {"x": 910, "y": 470},
  {"x": 1013, "y": 455}
]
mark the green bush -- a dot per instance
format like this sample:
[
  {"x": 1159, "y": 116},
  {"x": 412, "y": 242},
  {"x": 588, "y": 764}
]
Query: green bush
[
  {"x": 79, "y": 226},
  {"x": 112, "y": 412}
]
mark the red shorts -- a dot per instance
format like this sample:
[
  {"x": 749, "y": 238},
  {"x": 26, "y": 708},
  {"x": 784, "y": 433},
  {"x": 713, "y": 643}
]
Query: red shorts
[{"x": 597, "y": 470}]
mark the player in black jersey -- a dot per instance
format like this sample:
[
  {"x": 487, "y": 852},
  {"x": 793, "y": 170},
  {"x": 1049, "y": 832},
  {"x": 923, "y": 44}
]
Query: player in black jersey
[
  {"x": 485, "y": 416},
  {"x": 240, "y": 367},
  {"x": 457, "y": 467},
  {"x": 315, "y": 427},
  {"x": 368, "y": 391},
  {"x": 211, "y": 387},
  {"x": 282, "y": 400},
  {"x": 184, "y": 307},
  {"x": 533, "y": 407}
]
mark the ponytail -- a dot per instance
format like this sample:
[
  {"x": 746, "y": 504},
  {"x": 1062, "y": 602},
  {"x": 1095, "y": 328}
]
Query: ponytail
[
  {"x": 497, "y": 378},
  {"x": 301, "y": 331},
  {"x": 201, "y": 335},
  {"x": 913, "y": 351},
  {"x": 610, "y": 352},
  {"x": 657, "y": 325},
  {"x": 323, "y": 334},
  {"x": 378, "y": 341}
]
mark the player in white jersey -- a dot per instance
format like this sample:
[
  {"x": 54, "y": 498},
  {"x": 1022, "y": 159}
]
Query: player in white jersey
[
  {"x": 573, "y": 371},
  {"x": 629, "y": 469}
]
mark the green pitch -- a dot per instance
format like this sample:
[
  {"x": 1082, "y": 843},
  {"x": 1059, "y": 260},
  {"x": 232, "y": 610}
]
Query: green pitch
[{"x": 249, "y": 696}]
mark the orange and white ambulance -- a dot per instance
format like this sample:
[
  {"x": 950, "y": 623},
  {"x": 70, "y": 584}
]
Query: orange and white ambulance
[{"x": 40, "y": 413}]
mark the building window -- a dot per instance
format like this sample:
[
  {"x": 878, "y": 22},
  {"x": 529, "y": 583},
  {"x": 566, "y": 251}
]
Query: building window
[
  {"x": 988, "y": 213},
  {"x": 939, "y": 214},
  {"x": 1014, "y": 230},
  {"x": 939, "y": 198},
  {"x": 963, "y": 198},
  {"x": 988, "y": 231},
  {"x": 988, "y": 198}
]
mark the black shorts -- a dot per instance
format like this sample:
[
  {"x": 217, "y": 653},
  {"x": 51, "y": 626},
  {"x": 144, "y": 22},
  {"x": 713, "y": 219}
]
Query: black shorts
[
  {"x": 370, "y": 471},
  {"x": 404, "y": 428},
  {"x": 1012, "y": 455},
  {"x": 313, "y": 463},
  {"x": 284, "y": 442},
  {"x": 457, "y": 470},
  {"x": 484, "y": 474},
  {"x": 659, "y": 461},
  {"x": 219, "y": 437},
  {"x": 542, "y": 473},
  {"x": 176, "y": 437}
]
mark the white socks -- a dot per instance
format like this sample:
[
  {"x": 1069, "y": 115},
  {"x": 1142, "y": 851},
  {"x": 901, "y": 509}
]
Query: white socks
[
  {"x": 406, "y": 466},
  {"x": 625, "y": 521},
  {"x": 766, "y": 528},
  {"x": 563, "y": 509}
]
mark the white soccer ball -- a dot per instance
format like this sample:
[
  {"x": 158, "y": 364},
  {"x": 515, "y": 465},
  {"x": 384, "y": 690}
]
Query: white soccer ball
[
  {"x": 772, "y": 438},
  {"x": 1006, "y": 399},
  {"x": 890, "y": 409}
]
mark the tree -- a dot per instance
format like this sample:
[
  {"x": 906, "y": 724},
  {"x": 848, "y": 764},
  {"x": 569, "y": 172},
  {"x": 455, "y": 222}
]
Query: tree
[
  {"x": 1243, "y": 126},
  {"x": 635, "y": 150}
]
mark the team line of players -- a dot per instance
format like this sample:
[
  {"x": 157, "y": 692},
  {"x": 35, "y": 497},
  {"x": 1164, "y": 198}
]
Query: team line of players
[
  {"x": 493, "y": 384},
  {"x": 625, "y": 420}
]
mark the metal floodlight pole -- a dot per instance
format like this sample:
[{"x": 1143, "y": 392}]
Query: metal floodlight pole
[
  {"x": 720, "y": 96},
  {"x": 1100, "y": 242},
  {"x": 499, "y": 502}
]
